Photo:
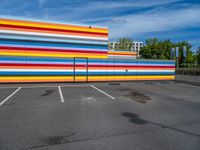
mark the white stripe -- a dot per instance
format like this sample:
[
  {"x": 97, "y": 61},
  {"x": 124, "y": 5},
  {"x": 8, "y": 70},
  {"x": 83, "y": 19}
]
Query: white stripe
[
  {"x": 102, "y": 92},
  {"x": 140, "y": 64},
  {"x": 81, "y": 70},
  {"x": 10, "y": 96},
  {"x": 37, "y": 70},
  {"x": 61, "y": 95},
  {"x": 36, "y": 62},
  {"x": 129, "y": 70},
  {"x": 52, "y": 35},
  {"x": 27, "y": 87},
  {"x": 56, "y": 39},
  {"x": 91, "y": 63}
]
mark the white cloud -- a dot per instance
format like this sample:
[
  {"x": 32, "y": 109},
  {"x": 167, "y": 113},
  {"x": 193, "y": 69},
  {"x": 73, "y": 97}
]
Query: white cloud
[
  {"x": 41, "y": 2},
  {"x": 160, "y": 20},
  {"x": 133, "y": 4},
  {"x": 86, "y": 12}
]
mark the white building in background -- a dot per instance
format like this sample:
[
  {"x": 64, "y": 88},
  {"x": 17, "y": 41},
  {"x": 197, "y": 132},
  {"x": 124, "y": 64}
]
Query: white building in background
[{"x": 136, "y": 46}]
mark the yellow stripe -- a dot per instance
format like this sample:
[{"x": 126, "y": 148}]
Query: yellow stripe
[
  {"x": 37, "y": 79},
  {"x": 52, "y": 25},
  {"x": 80, "y": 78},
  {"x": 155, "y": 77},
  {"x": 51, "y": 55},
  {"x": 131, "y": 77}
]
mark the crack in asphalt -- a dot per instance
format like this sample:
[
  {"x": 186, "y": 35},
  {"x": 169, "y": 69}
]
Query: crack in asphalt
[{"x": 160, "y": 126}]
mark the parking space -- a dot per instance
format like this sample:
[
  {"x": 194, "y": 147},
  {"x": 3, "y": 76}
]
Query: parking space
[
  {"x": 85, "y": 94},
  {"x": 35, "y": 96},
  {"x": 34, "y": 113},
  {"x": 4, "y": 94},
  {"x": 126, "y": 115},
  {"x": 51, "y": 94}
]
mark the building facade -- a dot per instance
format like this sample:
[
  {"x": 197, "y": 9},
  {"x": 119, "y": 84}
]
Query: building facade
[
  {"x": 135, "y": 46},
  {"x": 32, "y": 51},
  {"x": 122, "y": 54}
]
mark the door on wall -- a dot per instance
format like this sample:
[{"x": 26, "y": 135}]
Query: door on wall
[{"x": 80, "y": 69}]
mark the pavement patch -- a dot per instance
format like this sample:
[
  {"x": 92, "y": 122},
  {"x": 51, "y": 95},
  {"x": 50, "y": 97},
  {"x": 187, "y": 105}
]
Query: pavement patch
[
  {"x": 134, "y": 118},
  {"x": 134, "y": 95},
  {"x": 138, "y": 97},
  {"x": 55, "y": 140},
  {"x": 90, "y": 98},
  {"x": 48, "y": 92}
]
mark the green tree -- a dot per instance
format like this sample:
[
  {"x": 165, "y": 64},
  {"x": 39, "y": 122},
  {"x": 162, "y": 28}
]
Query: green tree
[
  {"x": 157, "y": 49},
  {"x": 124, "y": 44}
]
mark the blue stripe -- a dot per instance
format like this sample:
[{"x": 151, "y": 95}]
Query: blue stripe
[
  {"x": 84, "y": 73},
  {"x": 130, "y": 73},
  {"x": 100, "y": 61},
  {"x": 46, "y": 44},
  {"x": 49, "y": 59}
]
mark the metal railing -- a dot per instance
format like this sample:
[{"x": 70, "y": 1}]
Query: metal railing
[{"x": 188, "y": 73}]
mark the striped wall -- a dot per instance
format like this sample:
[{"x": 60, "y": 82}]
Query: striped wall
[
  {"x": 122, "y": 54},
  {"x": 27, "y": 38},
  {"x": 50, "y": 52}
]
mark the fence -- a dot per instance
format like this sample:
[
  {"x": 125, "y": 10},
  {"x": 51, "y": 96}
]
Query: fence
[{"x": 188, "y": 74}]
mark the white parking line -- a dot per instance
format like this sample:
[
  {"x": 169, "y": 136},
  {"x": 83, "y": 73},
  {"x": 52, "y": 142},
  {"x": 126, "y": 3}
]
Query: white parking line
[
  {"x": 102, "y": 92},
  {"x": 10, "y": 96},
  {"x": 44, "y": 86},
  {"x": 61, "y": 95}
]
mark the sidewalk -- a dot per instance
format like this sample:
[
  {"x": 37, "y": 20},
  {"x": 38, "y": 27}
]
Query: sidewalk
[{"x": 195, "y": 80}]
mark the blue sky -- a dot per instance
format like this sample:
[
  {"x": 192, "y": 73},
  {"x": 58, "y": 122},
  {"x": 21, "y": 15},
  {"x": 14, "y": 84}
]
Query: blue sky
[{"x": 177, "y": 20}]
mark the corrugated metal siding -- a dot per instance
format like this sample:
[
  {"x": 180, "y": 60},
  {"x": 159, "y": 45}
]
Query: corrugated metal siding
[
  {"x": 50, "y": 52},
  {"x": 122, "y": 54}
]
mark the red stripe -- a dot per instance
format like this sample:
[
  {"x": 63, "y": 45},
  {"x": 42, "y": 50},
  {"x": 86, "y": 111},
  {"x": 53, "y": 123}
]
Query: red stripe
[
  {"x": 133, "y": 66},
  {"x": 48, "y": 29},
  {"x": 123, "y": 54},
  {"x": 82, "y": 65},
  {"x": 35, "y": 65},
  {"x": 52, "y": 50}
]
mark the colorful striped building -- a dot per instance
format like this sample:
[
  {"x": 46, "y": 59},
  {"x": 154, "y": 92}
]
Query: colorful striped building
[
  {"x": 122, "y": 54},
  {"x": 33, "y": 51}
]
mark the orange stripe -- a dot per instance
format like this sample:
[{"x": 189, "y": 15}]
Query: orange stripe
[
  {"x": 53, "y": 25},
  {"x": 54, "y": 32}
]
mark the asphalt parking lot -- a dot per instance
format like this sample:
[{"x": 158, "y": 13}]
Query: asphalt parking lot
[{"x": 103, "y": 116}]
